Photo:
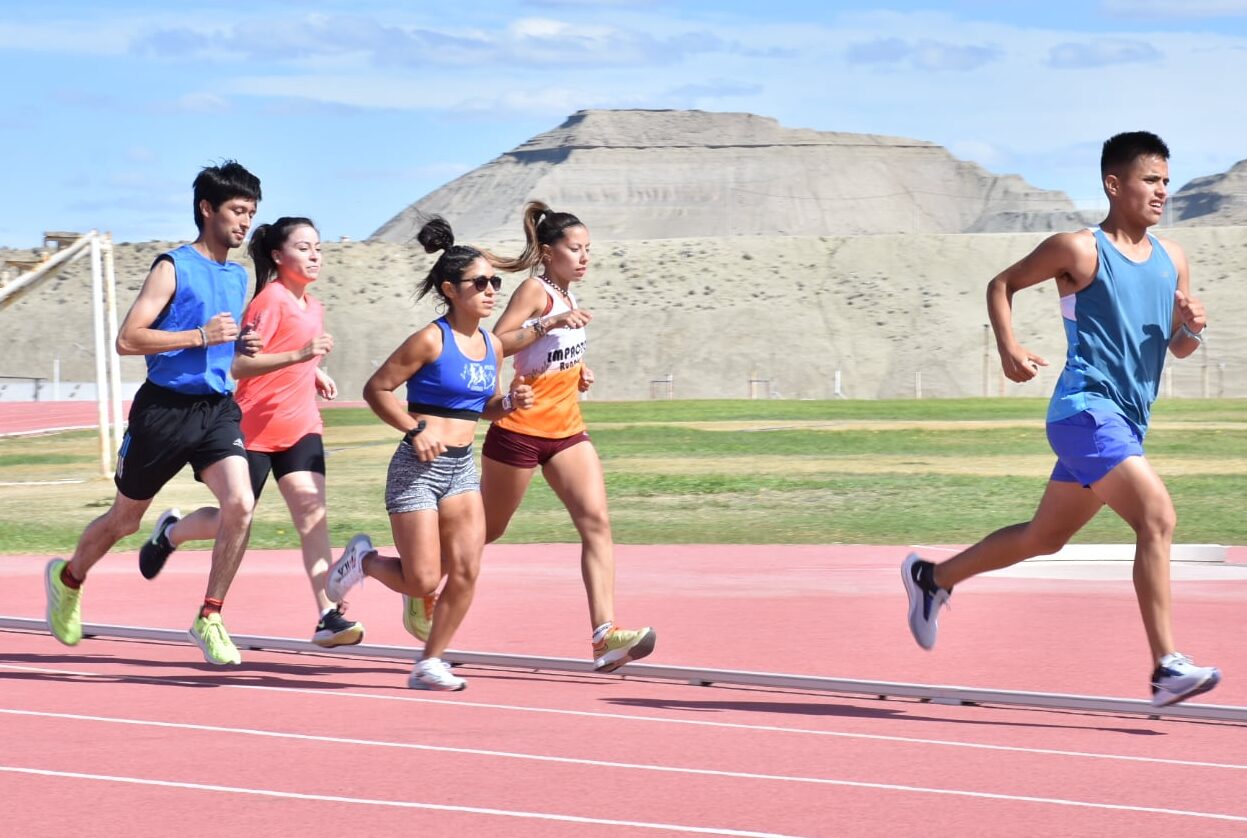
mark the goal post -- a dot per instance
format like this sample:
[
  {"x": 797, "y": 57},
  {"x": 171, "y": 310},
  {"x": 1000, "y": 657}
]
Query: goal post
[{"x": 99, "y": 248}]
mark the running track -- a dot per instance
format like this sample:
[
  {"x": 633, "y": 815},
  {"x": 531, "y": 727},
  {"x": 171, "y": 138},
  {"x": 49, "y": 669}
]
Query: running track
[{"x": 144, "y": 739}]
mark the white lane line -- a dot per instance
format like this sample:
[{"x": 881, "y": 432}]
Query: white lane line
[
  {"x": 400, "y": 804},
  {"x": 615, "y": 717},
  {"x": 632, "y": 766}
]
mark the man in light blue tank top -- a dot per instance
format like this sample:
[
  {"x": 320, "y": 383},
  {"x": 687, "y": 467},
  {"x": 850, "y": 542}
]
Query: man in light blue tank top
[
  {"x": 185, "y": 321},
  {"x": 1125, "y": 302}
]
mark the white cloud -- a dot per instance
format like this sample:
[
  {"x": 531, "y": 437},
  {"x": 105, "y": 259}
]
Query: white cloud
[
  {"x": 1175, "y": 8},
  {"x": 923, "y": 54},
  {"x": 1101, "y": 53}
]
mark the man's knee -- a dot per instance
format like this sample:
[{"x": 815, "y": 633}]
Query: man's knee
[
  {"x": 236, "y": 508},
  {"x": 123, "y": 521},
  {"x": 1157, "y": 524},
  {"x": 1044, "y": 542}
]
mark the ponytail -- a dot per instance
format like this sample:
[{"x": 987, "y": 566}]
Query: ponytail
[{"x": 542, "y": 226}]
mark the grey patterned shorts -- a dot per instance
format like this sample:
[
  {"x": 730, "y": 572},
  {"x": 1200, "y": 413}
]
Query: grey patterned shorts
[{"x": 412, "y": 485}]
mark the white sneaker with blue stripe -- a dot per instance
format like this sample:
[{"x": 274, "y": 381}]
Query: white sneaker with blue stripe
[
  {"x": 1177, "y": 678},
  {"x": 925, "y": 599}
]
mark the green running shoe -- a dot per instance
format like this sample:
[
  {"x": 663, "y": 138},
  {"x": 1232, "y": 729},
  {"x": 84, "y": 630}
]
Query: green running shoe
[
  {"x": 210, "y": 635},
  {"x": 418, "y": 615},
  {"x": 64, "y": 605},
  {"x": 620, "y": 646}
]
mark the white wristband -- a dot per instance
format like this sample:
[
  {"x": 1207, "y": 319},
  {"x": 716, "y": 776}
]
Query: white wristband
[{"x": 1198, "y": 337}]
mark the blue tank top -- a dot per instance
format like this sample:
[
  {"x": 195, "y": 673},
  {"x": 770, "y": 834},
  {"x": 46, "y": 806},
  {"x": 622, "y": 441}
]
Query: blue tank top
[
  {"x": 454, "y": 384},
  {"x": 1118, "y": 329},
  {"x": 205, "y": 288}
]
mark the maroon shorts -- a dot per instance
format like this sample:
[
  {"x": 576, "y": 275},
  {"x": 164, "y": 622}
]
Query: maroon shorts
[{"x": 523, "y": 450}]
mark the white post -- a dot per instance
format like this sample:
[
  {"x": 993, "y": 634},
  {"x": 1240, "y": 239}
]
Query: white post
[
  {"x": 918, "y": 384},
  {"x": 835, "y": 386},
  {"x": 987, "y": 359},
  {"x": 1204, "y": 388},
  {"x": 101, "y": 358},
  {"x": 56, "y": 378},
  {"x": 114, "y": 360}
]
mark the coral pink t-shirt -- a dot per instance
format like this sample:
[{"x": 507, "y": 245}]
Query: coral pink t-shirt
[{"x": 279, "y": 407}]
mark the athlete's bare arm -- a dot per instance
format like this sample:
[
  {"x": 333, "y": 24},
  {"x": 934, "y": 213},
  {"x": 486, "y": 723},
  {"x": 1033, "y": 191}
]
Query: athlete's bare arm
[
  {"x": 1186, "y": 308},
  {"x": 527, "y": 303},
  {"x": 137, "y": 337},
  {"x": 521, "y": 392},
  {"x": 419, "y": 349},
  {"x": 1070, "y": 259},
  {"x": 263, "y": 362}
]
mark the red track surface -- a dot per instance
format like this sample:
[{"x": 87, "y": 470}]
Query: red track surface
[
  {"x": 142, "y": 739},
  {"x": 43, "y": 417}
]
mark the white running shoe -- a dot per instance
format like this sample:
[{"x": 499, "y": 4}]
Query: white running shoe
[
  {"x": 925, "y": 602},
  {"x": 1177, "y": 678},
  {"x": 348, "y": 571},
  {"x": 434, "y": 674}
]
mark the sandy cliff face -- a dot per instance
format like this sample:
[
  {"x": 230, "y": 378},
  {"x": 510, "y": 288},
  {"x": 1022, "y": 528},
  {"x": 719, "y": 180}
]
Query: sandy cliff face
[
  {"x": 692, "y": 174},
  {"x": 728, "y": 248},
  {"x": 715, "y": 312},
  {"x": 1213, "y": 200}
]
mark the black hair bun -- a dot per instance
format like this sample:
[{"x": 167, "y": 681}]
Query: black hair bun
[{"x": 436, "y": 235}]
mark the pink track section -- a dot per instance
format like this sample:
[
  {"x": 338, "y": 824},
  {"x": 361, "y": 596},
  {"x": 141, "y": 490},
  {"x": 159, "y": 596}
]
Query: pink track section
[
  {"x": 298, "y": 743},
  {"x": 36, "y": 417}
]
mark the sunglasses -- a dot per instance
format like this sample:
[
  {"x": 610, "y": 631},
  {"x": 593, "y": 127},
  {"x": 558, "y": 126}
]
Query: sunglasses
[{"x": 480, "y": 282}]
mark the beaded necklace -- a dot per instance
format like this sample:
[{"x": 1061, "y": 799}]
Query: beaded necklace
[{"x": 564, "y": 294}]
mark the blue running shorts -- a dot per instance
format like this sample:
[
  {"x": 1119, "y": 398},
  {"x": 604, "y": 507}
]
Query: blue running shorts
[{"x": 1090, "y": 444}]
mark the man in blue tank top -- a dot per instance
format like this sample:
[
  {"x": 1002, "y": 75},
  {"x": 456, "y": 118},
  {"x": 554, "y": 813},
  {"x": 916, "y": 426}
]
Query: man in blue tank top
[
  {"x": 185, "y": 321},
  {"x": 1125, "y": 302}
]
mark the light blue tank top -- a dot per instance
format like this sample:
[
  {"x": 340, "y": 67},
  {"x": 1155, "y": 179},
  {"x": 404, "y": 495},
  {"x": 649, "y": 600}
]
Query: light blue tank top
[
  {"x": 1118, "y": 329},
  {"x": 204, "y": 289}
]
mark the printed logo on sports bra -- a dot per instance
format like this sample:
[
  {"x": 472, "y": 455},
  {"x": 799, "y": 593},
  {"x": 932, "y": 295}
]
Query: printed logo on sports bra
[{"x": 480, "y": 378}]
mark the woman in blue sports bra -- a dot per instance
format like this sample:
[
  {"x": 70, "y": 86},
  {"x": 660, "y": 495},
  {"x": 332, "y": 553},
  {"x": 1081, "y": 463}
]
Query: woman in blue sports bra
[{"x": 432, "y": 490}]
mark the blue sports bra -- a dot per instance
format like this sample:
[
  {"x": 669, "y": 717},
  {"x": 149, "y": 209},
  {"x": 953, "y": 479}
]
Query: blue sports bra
[{"x": 454, "y": 385}]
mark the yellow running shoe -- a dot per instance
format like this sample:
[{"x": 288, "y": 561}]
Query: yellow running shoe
[
  {"x": 418, "y": 615},
  {"x": 211, "y": 637},
  {"x": 620, "y": 646},
  {"x": 64, "y": 605}
]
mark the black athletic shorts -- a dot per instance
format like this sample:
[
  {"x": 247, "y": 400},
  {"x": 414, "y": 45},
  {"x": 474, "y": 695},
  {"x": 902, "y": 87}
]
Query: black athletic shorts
[
  {"x": 308, "y": 454},
  {"x": 168, "y": 430}
]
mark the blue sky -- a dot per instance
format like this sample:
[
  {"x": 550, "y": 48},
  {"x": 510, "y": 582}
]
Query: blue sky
[{"x": 349, "y": 110}]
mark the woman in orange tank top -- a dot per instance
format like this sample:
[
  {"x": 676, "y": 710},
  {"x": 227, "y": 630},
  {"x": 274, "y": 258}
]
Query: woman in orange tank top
[{"x": 543, "y": 329}]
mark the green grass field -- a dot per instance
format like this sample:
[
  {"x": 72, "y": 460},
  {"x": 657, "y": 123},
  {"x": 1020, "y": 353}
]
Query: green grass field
[{"x": 879, "y": 472}]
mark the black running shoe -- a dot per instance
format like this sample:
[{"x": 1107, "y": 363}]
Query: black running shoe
[
  {"x": 336, "y": 630},
  {"x": 155, "y": 550}
]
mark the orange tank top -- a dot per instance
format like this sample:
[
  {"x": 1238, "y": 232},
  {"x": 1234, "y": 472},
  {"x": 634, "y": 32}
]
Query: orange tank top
[{"x": 551, "y": 365}]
